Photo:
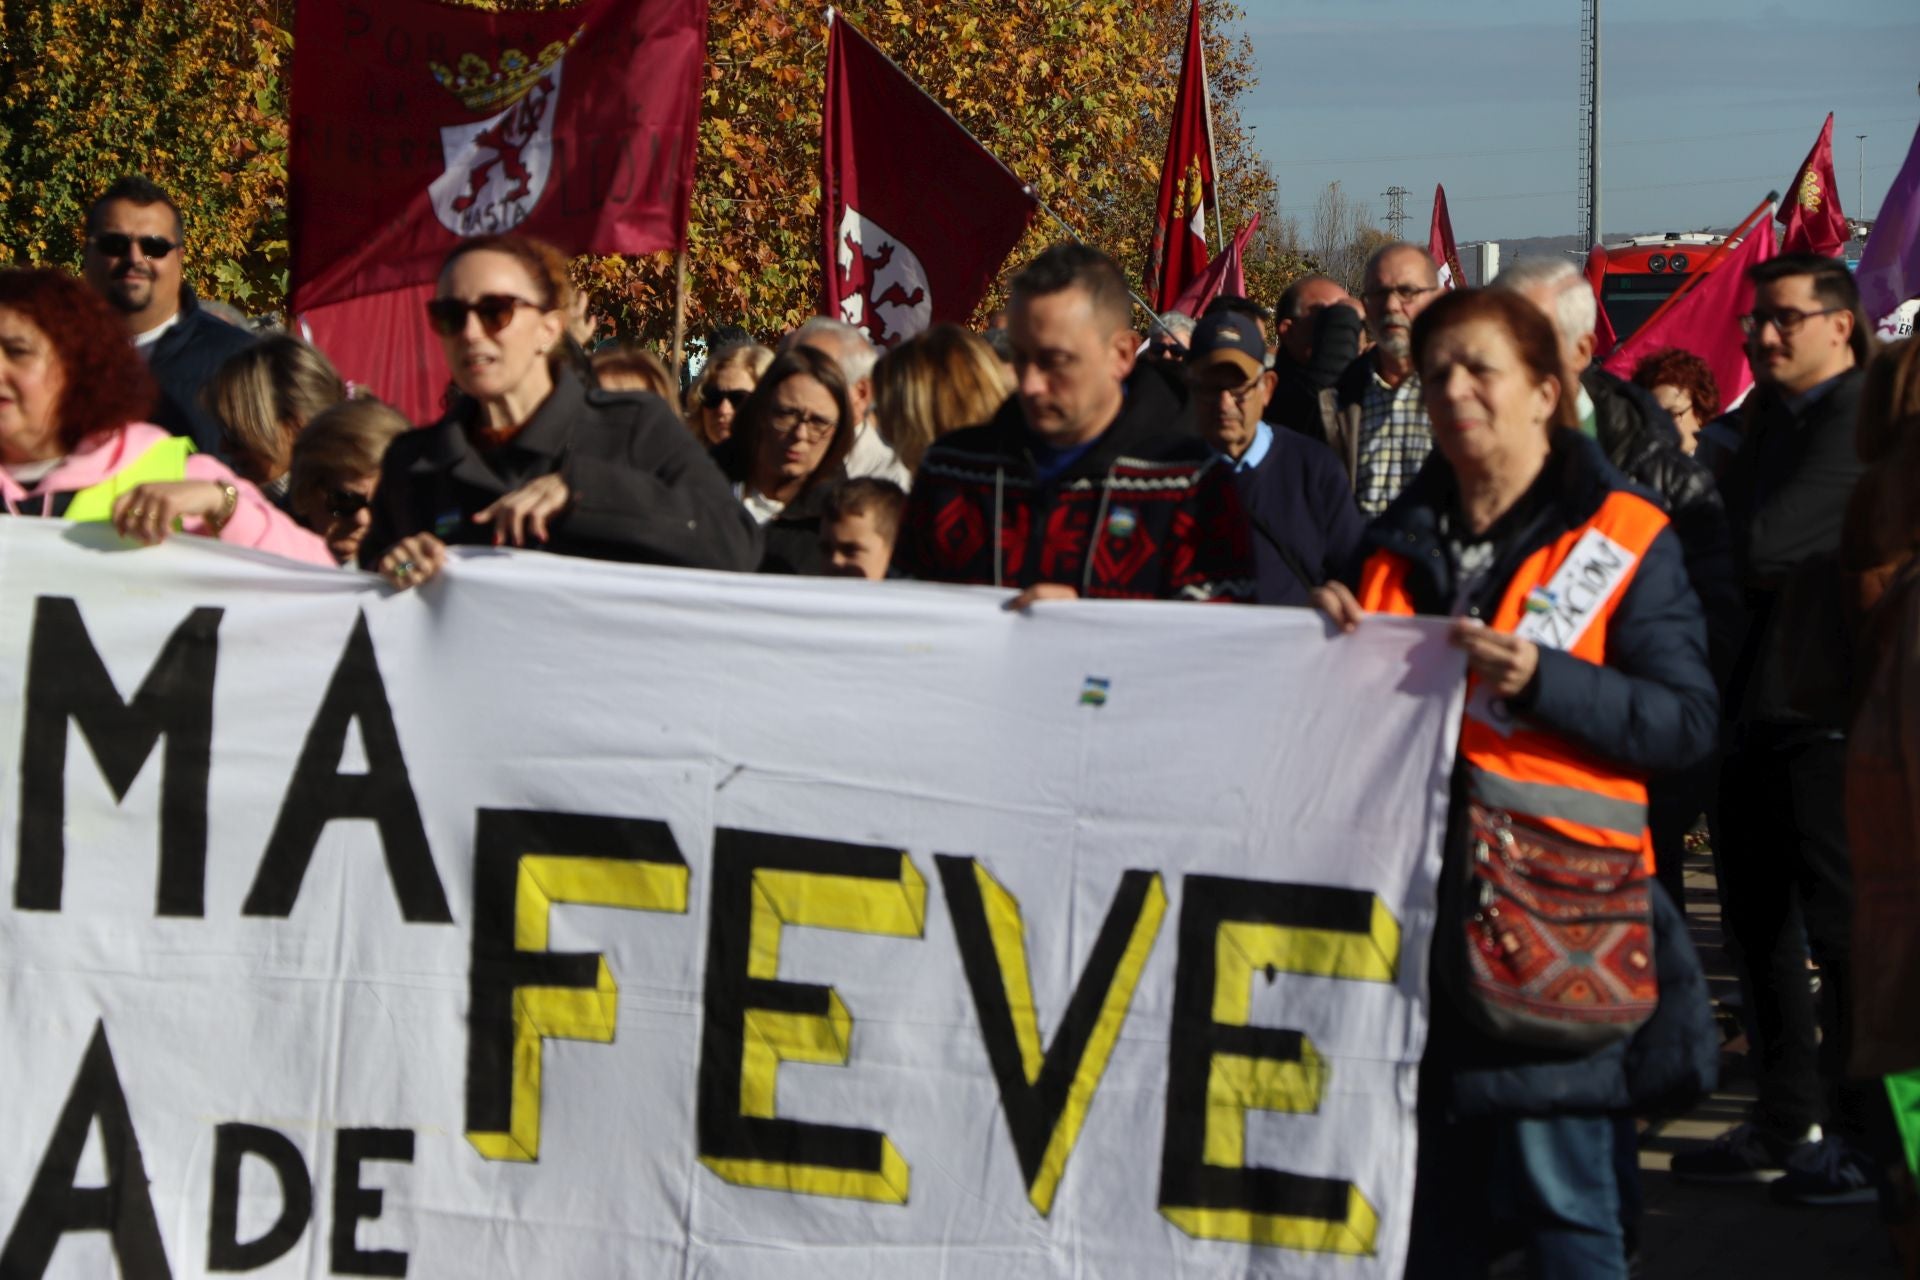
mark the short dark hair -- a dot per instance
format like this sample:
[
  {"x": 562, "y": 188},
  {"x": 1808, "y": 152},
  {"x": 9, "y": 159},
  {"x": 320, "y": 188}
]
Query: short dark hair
[
  {"x": 1288, "y": 308},
  {"x": 1066, "y": 265},
  {"x": 1234, "y": 304},
  {"x": 135, "y": 189},
  {"x": 1833, "y": 286},
  {"x": 882, "y": 499}
]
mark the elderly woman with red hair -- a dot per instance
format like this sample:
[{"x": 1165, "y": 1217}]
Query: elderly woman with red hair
[
  {"x": 1683, "y": 385},
  {"x": 73, "y": 443}
]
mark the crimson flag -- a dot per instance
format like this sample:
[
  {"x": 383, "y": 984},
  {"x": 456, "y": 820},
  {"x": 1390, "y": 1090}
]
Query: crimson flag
[
  {"x": 417, "y": 124},
  {"x": 1440, "y": 246},
  {"x": 1604, "y": 337},
  {"x": 1811, "y": 213},
  {"x": 1707, "y": 320},
  {"x": 1186, "y": 181},
  {"x": 379, "y": 342},
  {"x": 1225, "y": 274},
  {"x": 916, "y": 216}
]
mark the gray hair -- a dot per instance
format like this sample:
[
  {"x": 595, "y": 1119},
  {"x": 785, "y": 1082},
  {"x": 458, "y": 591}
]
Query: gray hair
[
  {"x": 1575, "y": 314},
  {"x": 853, "y": 351},
  {"x": 1177, "y": 324}
]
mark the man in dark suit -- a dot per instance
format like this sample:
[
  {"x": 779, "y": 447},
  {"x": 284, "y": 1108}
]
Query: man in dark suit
[{"x": 135, "y": 246}]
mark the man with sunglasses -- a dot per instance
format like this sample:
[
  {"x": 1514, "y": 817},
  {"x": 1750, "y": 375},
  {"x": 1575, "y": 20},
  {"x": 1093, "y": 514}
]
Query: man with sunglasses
[
  {"x": 133, "y": 260},
  {"x": 1780, "y": 848}
]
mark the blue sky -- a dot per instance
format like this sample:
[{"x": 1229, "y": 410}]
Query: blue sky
[{"x": 1708, "y": 104}]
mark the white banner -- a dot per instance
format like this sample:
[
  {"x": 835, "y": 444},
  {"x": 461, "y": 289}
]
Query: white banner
[{"x": 565, "y": 919}]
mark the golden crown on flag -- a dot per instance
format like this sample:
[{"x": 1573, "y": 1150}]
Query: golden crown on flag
[
  {"x": 1809, "y": 192},
  {"x": 482, "y": 86}
]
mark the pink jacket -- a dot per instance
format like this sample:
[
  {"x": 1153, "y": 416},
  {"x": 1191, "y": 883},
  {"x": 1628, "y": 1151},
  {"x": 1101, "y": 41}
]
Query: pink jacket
[{"x": 256, "y": 522}]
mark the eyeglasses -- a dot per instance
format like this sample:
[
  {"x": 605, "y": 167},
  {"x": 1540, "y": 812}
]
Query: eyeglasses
[
  {"x": 794, "y": 421},
  {"x": 115, "y": 244},
  {"x": 1405, "y": 292},
  {"x": 345, "y": 504},
  {"x": 1786, "y": 319},
  {"x": 448, "y": 316},
  {"x": 713, "y": 397},
  {"x": 1213, "y": 391}
]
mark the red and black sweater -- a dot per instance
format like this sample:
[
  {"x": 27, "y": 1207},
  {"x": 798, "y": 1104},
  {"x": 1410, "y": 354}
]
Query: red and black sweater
[{"x": 1148, "y": 513}]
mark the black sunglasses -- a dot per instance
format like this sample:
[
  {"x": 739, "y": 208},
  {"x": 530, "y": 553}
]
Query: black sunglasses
[
  {"x": 115, "y": 244},
  {"x": 712, "y": 397},
  {"x": 448, "y": 316},
  {"x": 345, "y": 504}
]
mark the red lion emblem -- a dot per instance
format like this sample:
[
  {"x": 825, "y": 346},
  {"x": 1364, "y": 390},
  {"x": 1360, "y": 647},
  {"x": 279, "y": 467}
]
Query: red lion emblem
[
  {"x": 865, "y": 275},
  {"x": 506, "y": 140}
]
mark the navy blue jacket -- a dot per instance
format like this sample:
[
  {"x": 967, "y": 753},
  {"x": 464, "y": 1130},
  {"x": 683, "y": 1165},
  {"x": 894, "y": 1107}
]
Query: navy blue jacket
[
  {"x": 183, "y": 361},
  {"x": 1653, "y": 707},
  {"x": 1299, "y": 496}
]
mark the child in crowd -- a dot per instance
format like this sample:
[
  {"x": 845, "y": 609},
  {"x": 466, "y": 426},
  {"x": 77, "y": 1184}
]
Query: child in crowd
[{"x": 857, "y": 533}]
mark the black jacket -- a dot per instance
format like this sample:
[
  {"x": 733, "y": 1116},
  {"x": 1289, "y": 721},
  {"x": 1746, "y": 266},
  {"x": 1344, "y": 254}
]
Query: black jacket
[
  {"x": 1639, "y": 439},
  {"x": 793, "y": 536},
  {"x": 1651, "y": 708},
  {"x": 1299, "y": 498},
  {"x": 184, "y": 360},
  {"x": 1296, "y": 399},
  {"x": 642, "y": 488},
  {"x": 1787, "y": 492}
]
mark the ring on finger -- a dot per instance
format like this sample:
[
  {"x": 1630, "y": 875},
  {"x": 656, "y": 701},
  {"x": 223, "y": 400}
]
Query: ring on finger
[{"x": 404, "y": 569}]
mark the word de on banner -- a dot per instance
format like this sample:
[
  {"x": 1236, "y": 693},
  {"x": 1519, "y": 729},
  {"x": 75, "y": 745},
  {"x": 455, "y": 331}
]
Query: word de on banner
[{"x": 574, "y": 919}]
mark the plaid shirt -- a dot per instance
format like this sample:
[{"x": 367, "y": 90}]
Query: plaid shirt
[{"x": 1394, "y": 442}]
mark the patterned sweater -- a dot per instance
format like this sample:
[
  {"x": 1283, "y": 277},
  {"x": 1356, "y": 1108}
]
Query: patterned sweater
[{"x": 1148, "y": 513}]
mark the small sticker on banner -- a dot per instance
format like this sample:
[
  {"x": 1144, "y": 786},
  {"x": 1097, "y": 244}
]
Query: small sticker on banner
[{"x": 1094, "y": 692}]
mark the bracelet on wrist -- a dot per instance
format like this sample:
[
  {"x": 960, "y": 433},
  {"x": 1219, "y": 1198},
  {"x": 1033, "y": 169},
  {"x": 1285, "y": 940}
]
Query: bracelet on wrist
[{"x": 229, "y": 503}]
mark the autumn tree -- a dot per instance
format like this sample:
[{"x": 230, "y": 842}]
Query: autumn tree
[
  {"x": 1074, "y": 95},
  {"x": 188, "y": 92}
]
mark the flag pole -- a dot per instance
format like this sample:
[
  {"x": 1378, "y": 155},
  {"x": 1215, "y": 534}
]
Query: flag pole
[
  {"x": 1213, "y": 153},
  {"x": 680, "y": 319},
  {"x": 1026, "y": 186},
  {"x": 1746, "y": 224}
]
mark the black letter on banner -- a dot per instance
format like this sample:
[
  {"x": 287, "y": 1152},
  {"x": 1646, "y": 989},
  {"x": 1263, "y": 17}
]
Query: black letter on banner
[
  {"x": 525, "y": 860},
  {"x": 762, "y": 884},
  {"x": 1220, "y": 1066},
  {"x": 1046, "y": 1095},
  {"x": 122, "y": 1208},
  {"x": 232, "y": 1143},
  {"x": 67, "y": 681},
  {"x": 353, "y": 1202},
  {"x": 320, "y": 793}
]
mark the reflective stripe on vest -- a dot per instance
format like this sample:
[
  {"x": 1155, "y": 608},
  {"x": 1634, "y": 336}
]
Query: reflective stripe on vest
[
  {"x": 164, "y": 460},
  {"x": 1563, "y": 596}
]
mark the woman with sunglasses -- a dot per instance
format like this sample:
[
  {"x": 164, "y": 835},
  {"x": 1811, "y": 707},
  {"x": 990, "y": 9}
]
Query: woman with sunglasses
[
  {"x": 335, "y": 471},
  {"x": 74, "y": 442},
  {"x": 714, "y": 400},
  {"x": 528, "y": 455},
  {"x": 795, "y": 432}
]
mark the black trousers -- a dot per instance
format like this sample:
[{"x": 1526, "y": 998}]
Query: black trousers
[{"x": 1780, "y": 852}]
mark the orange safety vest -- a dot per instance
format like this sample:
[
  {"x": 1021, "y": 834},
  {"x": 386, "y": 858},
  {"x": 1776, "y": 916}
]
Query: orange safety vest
[{"x": 1562, "y": 597}]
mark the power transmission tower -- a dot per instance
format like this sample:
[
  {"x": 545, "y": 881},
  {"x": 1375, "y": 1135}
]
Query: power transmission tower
[
  {"x": 1396, "y": 210},
  {"x": 1590, "y": 120}
]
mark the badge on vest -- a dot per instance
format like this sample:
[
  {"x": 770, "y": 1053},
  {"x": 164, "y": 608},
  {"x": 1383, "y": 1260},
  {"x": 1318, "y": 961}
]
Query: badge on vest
[{"x": 1121, "y": 522}]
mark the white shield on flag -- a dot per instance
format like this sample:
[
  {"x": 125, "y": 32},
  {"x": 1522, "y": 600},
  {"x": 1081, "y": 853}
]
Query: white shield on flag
[
  {"x": 497, "y": 168},
  {"x": 884, "y": 287}
]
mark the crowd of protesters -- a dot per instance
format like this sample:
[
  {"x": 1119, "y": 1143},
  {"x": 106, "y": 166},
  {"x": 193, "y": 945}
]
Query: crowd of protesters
[{"x": 1756, "y": 663}]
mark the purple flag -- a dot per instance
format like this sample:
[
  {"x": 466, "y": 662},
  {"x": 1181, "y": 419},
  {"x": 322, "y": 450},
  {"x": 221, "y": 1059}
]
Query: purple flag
[{"x": 1890, "y": 264}]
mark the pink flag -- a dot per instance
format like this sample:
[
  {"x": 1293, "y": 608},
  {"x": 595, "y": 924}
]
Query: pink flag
[
  {"x": 1446, "y": 256},
  {"x": 1225, "y": 274},
  {"x": 1707, "y": 321},
  {"x": 1890, "y": 264},
  {"x": 378, "y": 341}
]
